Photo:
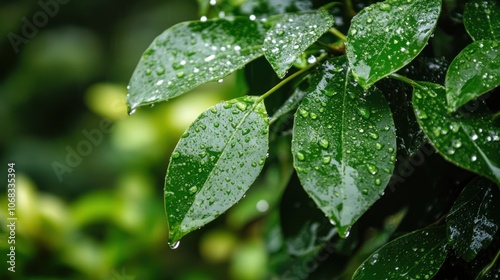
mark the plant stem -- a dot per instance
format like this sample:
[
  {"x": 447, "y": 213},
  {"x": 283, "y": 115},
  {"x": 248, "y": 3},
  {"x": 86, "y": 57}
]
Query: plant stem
[
  {"x": 337, "y": 33},
  {"x": 291, "y": 77},
  {"x": 496, "y": 115},
  {"x": 403, "y": 79},
  {"x": 350, "y": 10},
  {"x": 487, "y": 268}
]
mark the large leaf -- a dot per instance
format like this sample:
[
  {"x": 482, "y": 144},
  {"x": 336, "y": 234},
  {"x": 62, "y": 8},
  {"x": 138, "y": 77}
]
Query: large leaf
[
  {"x": 473, "y": 72},
  {"x": 192, "y": 53},
  {"x": 417, "y": 255},
  {"x": 386, "y": 36},
  {"x": 343, "y": 144},
  {"x": 214, "y": 163},
  {"x": 291, "y": 35},
  {"x": 274, "y": 7},
  {"x": 482, "y": 19},
  {"x": 474, "y": 219},
  {"x": 468, "y": 139}
]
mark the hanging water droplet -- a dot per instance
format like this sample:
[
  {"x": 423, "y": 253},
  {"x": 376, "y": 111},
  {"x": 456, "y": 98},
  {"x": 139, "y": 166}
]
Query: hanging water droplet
[
  {"x": 174, "y": 245},
  {"x": 311, "y": 59}
]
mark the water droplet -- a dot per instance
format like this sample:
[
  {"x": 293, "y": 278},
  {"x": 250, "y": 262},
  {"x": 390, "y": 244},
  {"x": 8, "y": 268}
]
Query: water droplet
[
  {"x": 385, "y": 7},
  {"x": 262, "y": 205},
  {"x": 180, "y": 75},
  {"x": 323, "y": 143},
  {"x": 148, "y": 72},
  {"x": 303, "y": 112},
  {"x": 364, "y": 191},
  {"x": 193, "y": 190},
  {"x": 378, "y": 182},
  {"x": 364, "y": 112},
  {"x": 473, "y": 158},
  {"x": 372, "y": 169},
  {"x": 379, "y": 146},
  {"x": 176, "y": 155},
  {"x": 242, "y": 106},
  {"x": 311, "y": 59},
  {"x": 369, "y": 20},
  {"x": 456, "y": 143},
  {"x": 245, "y": 131},
  {"x": 474, "y": 137},
  {"x": 174, "y": 245},
  {"x": 373, "y": 135},
  {"x": 160, "y": 71},
  {"x": 300, "y": 156},
  {"x": 313, "y": 116},
  {"x": 326, "y": 160}
]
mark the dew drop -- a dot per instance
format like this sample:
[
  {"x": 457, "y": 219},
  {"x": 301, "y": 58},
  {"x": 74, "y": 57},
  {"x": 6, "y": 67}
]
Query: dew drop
[
  {"x": 385, "y": 7},
  {"x": 326, "y": 160},
  {"x": 160, "y": 71},
  {"x": 364, "y": 191},
  {"x": 180, "y": 75},
  {"x": 473, "y": 158},
  {"x": 176, "y": 155},
  {"x": 313, "y": 116},
  {"x": 373, "y": 135},
  {"x": 241, "y": 106}
]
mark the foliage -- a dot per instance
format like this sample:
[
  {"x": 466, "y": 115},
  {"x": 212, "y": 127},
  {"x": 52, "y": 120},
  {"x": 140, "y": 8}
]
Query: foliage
[{"x": 349, "y": 135}]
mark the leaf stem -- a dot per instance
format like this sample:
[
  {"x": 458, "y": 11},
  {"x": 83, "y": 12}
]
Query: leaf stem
[
  {"x": 291, "y": 77},
  {"x": 496, "y": 115},
  {"x": 487, "y": 268},
  {"x": 337, "y": 33},
  {"x": 403, "y": 79}
]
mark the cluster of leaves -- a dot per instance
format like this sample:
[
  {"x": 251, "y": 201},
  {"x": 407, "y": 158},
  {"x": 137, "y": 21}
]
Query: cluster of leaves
[{"x": 346, "y": 111}]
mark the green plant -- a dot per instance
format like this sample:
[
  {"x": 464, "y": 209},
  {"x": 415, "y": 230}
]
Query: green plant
[{"x": 359, "y": 101}]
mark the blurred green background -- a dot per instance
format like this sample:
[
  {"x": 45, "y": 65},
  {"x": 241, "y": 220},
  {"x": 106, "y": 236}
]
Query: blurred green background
[{"x": 101, "y": 216}]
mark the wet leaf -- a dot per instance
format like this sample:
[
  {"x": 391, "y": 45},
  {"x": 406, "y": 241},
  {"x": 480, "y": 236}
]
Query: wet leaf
[
  {"x": 274, "y": 7},
  {"x": 214, "y": 163},
  {"x": 474, "y": 219},
  {"x": 417, "y": 255},
  {"x": 343, "y": 144},
  {"x": 482, "y": 19},
  {"x": 192, "y": 53},
  {"x": 291, "y": 35},
  {"x": 468, "y": 139},
  {"x": 475, "y": 71},
  {"x": 386, "y": 36}
]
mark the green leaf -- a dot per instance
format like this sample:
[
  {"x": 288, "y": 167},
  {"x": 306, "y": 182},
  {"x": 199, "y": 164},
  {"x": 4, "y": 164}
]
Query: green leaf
[
  {"x": 386, "y": 36},
  {"x": 274, "y": 7},
  {"x": 214, "y": 163},
  {"x": 343, "y": 144},
  {"x": 474, "y": 71},
  {"x": 482, "y": 19},
  {"x": 291, "y": 36},
  {"x": 192, "y": 53},
  {"x": 474, "y": 219},
  {"x": 417, "y": 255},
  {"x": 467, "y": 139}
]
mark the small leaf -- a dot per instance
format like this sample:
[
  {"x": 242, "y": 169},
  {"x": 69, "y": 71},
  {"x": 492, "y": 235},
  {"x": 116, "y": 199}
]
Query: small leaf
[
  {"x": 467, "y": 139},
  {"x": 482, "y": 19},
  {"x": 343, "y": 144},
  {"x": 214, "y": 163},
  {"x": 386, "y": 36},
  {"x": 474, "y": 219},
  {"x": 417, "y": 255},
  {"x": 474, "y": 71},
  {"x": 291, "y": 35},
  {"x": 193, "y": 53}
]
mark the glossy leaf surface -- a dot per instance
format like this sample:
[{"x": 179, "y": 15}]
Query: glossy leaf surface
[
  {"x": 467, "y": 139},
  {"x": 475, "y": 71},
  {"x": 386, "y": 36},
  {"x": 482, "y": 19},
  {"x": 343, "y": 144},
  {"x": 417, "y": 255},
  {"x": 214, "y": 163},
  {"x": 474, "y": 219},
  {"x": 291, "y": 35},
  {"x": 192, "y": 53}
]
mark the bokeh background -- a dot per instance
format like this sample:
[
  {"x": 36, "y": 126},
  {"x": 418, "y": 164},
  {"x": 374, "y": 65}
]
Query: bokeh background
[{"x": 101, "y": 216}]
